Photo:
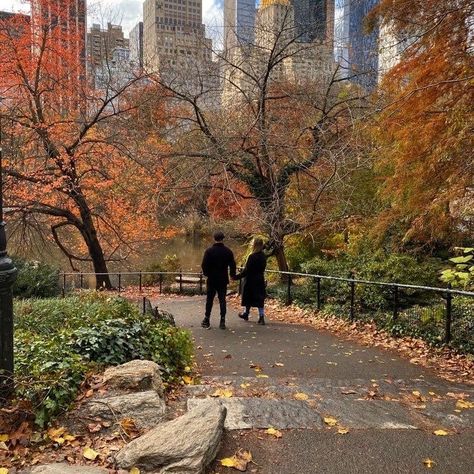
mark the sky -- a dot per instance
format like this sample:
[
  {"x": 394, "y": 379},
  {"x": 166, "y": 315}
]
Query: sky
[{"x": 126, "y": 12}]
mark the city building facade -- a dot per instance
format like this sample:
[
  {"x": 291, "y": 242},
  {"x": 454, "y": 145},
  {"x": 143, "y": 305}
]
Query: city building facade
[
  {"x": 239, "y": 23},
  {"x": 101, "y": 42},
  {"x": 302, "y": 63},
  {"x": 71, "y": 16},
  {"x": 362, "y": 50},
  {"x": 173, "y": 34},
  {"x": 314, "y": 20},
  {"x": 136, "y": 45}
]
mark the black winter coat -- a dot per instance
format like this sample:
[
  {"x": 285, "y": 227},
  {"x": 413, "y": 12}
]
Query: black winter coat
[
  {"x": 218, "y": 260},
  {"x": 253, "y": 288}
]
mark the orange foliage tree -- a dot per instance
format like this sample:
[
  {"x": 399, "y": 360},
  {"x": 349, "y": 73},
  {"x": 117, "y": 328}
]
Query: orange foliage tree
[
  {"x": 425, "y": 132},
  {"x": 73, "y": 162}
]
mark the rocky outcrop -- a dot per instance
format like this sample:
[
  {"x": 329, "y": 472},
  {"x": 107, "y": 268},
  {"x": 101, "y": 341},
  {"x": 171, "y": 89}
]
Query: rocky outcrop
[
  {"x": 186, "y": 445},
  {"x": 146, "y": 409},
  {"x": 163, "y": 315},
  {"x": 136, "y": 375}
]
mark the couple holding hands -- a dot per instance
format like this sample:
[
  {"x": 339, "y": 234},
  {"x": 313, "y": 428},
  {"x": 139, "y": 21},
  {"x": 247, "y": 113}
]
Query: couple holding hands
[{"x": 217, "y": 263}]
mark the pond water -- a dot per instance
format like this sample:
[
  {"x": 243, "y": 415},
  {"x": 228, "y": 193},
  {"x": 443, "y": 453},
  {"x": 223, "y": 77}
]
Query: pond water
[{"x": 189, "y": 251}]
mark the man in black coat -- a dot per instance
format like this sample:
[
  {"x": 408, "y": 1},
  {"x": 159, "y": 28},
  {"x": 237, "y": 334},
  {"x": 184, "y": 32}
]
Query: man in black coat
[{"x": 218, "y": 261}]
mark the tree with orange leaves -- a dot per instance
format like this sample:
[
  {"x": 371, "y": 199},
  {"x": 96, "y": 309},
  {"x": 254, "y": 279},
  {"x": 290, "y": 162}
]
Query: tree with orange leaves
[
  {"x": 425, "y": 132},
  {"x": 73, "y": 163}
]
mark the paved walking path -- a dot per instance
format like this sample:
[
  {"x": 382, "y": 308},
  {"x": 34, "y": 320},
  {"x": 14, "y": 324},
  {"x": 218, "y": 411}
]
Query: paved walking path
[{"x": 291, "y": 377}]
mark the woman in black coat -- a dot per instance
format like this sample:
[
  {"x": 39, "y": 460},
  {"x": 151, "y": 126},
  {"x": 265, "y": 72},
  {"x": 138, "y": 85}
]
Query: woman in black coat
[{"x": 253, "y": 291}]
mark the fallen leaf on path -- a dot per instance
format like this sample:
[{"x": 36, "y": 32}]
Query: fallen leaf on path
[
  {"x": 262, "y": 376},
  {"x": 301, "y": 396},
  {"x": 188, "y": 380},
  {"x": 330, "y": 421},
  {"x": 222, "y": 393},
  {"x": 440, "y": 433},
  {"x": 343, "y": 431},
  {"x": 464, "y": 404},
  {"x": 279, "y": 364},
  {"x": 348, "y": 392},
  {"x": 134, "y": 470},
  {"x": 3, "y": 470},
  {"x": 238, "y": 461},
  {"x": 429, "y": 463},
  {"x": 244, "y": 385},
  {"x": 274, "y": 432},
  {"x": 90, "y": 454}
]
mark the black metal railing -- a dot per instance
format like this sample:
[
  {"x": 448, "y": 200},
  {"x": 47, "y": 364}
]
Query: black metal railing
[{"x": 436, "y": 314}]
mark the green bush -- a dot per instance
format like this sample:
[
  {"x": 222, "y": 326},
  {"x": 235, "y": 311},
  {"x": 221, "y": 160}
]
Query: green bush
[
  {"x": 170, "y": 263},
  {"x": 57, "y": 341},
  {"x": 35, "y": 280},
  {"x": 378, "y": 267}
]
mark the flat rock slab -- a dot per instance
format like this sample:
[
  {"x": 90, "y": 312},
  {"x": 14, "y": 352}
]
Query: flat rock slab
[
  {"x": 247, "y": 413},
  {"x": 363, "y": 414},
  {"x": 136, "y": 375},
  {"x": 63, "y": 468},
  {"x": 147, "y": 409}
]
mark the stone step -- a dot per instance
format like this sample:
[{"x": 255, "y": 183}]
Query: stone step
[
  {"x": 248, "y": 413},
  {"x": 357, "y": 403}
]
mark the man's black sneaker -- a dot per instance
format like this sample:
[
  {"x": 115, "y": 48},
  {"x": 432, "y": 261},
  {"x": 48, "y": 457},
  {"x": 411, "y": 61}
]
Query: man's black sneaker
[
  {"x": 244, "y": 316},
  {"x": 261, "y": 320},
  {"x": 222, "y": 324},
  {"x": 206, "y": 324}
]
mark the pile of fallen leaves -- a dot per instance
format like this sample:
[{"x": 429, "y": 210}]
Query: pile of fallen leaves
[
  {"x": 72, "y": 439},
  {"x": 448, "y": 363}
]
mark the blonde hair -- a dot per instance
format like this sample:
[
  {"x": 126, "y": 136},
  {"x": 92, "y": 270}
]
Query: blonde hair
[{"x": 257, "y": 244}]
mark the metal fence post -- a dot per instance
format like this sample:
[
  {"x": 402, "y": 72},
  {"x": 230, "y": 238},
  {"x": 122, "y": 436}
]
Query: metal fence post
[
  {"x": 161, "y": 283},
  {"x": 140, "y": 281},
  {"x": 395, "y": 303},
  {"x": 288, "y": 295},
  {"x": 119, "y": 282},
  {"x": 318, "y": 293},
  {"x": 449, "y": 304},
  {"x": 64, "y": 285},
  {"x": 180, "y": 281},
  {"x": 200, "y": 283},
  {"x": 144, "y": 305},
  {"x": 81, "y": 280},
  {"x": 352, "y": 300}
]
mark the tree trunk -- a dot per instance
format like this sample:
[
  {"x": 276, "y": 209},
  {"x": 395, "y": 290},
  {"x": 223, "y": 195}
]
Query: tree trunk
[
  {"x": 102, "y": 278},
  {"x": 282, "y": 262},
  {"x": 96, "y": 253}
]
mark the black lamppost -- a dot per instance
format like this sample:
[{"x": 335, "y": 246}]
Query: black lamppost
[{"x": 7, "y": 277}]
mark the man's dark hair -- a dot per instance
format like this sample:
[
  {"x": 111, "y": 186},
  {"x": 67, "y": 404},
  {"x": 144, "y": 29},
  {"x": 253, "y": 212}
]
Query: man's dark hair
[{"x": 219, "y": 236}]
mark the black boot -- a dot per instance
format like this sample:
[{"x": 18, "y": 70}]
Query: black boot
[
  {"x": 205, "y": 323},
  {"x": 261, "y": 320},
  {"x": 222, "y": 324},
  {"x": 244, "y": 316}
]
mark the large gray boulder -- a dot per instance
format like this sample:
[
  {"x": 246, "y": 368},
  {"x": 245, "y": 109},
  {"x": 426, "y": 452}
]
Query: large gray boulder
[
  {"x": 146, "y": 409},
  {"x": 63, "y": 468},
  {"x": 186, "y": 445},
  {"x": 163, "y": 315},
  {"x": 135, "y": 375}
]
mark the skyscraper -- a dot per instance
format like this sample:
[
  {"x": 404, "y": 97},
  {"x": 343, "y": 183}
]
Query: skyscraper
[
  {"x": 239, "y": 23},
  {"x": 136, "y": 45},
  {"x": 101, "y": 42},
  {"x": 362, "y": 45},
  {"x": 173, "y": 33},
  {"x": 71, "y": 16},
  {"x": 314, "y": 20}
]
